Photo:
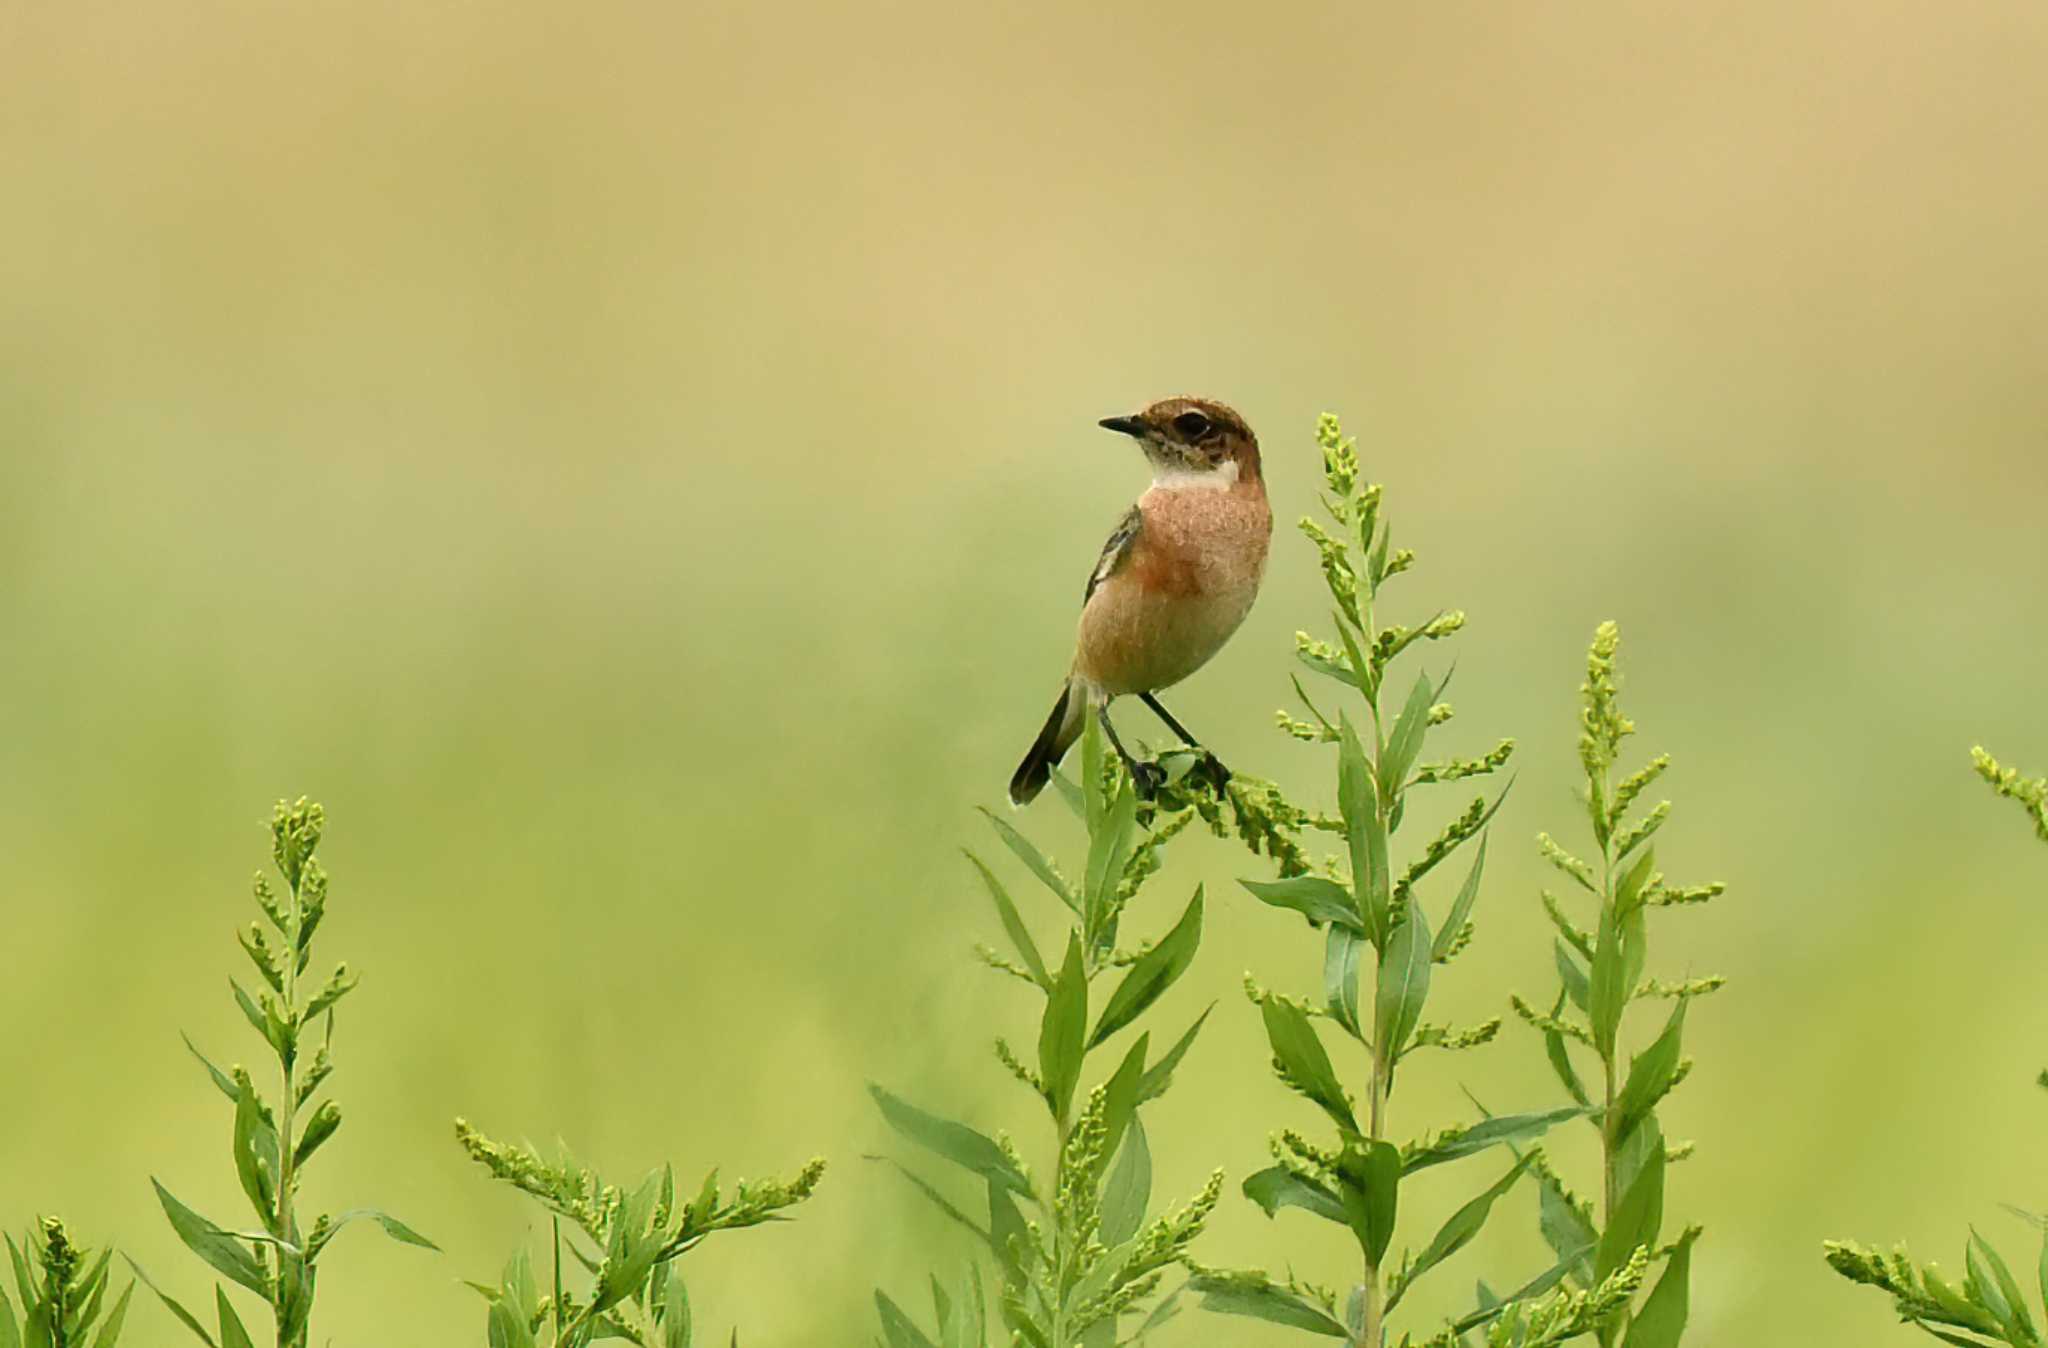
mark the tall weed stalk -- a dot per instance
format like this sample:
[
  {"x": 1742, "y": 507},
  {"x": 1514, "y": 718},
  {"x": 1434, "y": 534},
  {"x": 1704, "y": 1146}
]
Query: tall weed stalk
[
  {"x": 1601, "y": 978},
  {"x": 1080, "y": 1253},
  {"x": 1371, "y": 909},
  {"x": 276, "y": 1134}
]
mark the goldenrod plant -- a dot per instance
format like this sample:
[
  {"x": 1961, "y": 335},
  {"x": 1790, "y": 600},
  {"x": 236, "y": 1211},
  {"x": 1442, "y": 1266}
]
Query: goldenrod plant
[
  {"x": 1601, "y": 978},
  {"x": 1080, "y": 1254},
  {"x": 276, "y": 1134},
  {"x": 1385, "y": 928},
  {"x": 63, "y": 1289},
  {"x": 1989, "y": 1305},
  {"x": 631, "y": 1243}
]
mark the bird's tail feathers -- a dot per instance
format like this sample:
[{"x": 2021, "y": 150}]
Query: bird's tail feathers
[{"x": 1062, "y": 728}]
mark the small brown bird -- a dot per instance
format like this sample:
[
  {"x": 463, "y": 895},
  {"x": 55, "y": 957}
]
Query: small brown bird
[{"x": 1173, "y": 583}]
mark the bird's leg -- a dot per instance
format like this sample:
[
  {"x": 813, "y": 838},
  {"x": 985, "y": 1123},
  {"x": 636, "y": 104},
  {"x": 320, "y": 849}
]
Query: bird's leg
[
  {"x": 1218, "y": 773},
  {"x": 1146, "y": 777}
]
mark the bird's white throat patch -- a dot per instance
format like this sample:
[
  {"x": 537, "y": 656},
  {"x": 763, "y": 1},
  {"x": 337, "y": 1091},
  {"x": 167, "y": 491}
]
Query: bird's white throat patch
[{"x": 1220, "y": 478}]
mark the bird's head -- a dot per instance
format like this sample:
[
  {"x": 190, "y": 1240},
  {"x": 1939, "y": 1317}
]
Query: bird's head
[{"x": 1193, "y": 438}]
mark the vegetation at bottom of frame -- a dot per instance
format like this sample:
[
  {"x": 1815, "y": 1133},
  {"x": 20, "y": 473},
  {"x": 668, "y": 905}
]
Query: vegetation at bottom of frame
[
  {"x": 612, "y": 1267},
  {"x": 64, "y": 1293},
  {"x": 1381, "y": 950},
  {"x": 1601, "y": 978},
  {"x": 275, "y": 1135},
  {"x": 1081, "y": 1256},
  {"x": 1989, "y": 1305}
]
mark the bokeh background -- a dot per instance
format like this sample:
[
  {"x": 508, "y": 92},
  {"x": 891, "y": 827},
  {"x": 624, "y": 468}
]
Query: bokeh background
[{"x": 635, "y": 464}]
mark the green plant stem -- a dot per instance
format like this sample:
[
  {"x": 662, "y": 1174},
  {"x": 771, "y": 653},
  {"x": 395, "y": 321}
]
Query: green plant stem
[
  {"x": 1615, "y": 1326},
  {"x": 1370, "y": 1332},
  {"x": 287, "y": 1109}
]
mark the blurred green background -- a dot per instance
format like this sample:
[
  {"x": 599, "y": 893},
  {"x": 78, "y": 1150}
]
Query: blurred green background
[{"x": 635, "y": 464}]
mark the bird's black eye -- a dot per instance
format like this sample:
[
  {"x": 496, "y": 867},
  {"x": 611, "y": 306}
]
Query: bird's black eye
[{"x": 1192, "y": 425}]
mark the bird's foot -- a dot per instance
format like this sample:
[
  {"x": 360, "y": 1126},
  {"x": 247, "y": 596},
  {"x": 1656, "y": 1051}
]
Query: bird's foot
[
  {"x": 1212, "y": 768},
  {"x": 1147, "y": 778}
]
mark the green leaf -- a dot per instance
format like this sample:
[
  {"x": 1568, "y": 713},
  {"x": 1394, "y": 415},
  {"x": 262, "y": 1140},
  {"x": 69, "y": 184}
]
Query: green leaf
[
  {"x": 675, "y": 1319},
  {"x": 1576, "y": 985},
  {"x": 185, "y": 1317},
  {"x": 110, "y": 1330},
  {"x": 1128, "y": 1189},
  {"x": 897, "y": 1327},
  {"x": 256, "y": 1172},
  {"x": 1461, "y": 907},
  {"x": 222, "y": 1082},
  {"x": 10, "y": 1331},
  {"x": 1013, "y": 924},
  {"x": 232, "y": 1335},
  {"x": 209, "y": 1242},
  {"x": 1560, "y": 1057},
  {"x": 1403, "y": 982},
  {"x": 1109, "y": 850},
  {"x": 1649, "y": 1076},
  {"x": 1063, "y": 1030},
  {"x": 1302, "y": 1057},
  {"x": 1364, "y": 831},
  {"x": 1662, "y": 1319},
  {"x": 1406, "y": 740},
  {"x": 1566, "y": 1230},
  {"x": 1315, "y": 898},
  {"x": 1608, "y": 987},
  {"x": 1277, "y": 1187},
  {"x": 956, "y": 1142},
  {"x": 391, "y": 1226},
  {"x": 1463, "y": 1225},
  {"x": 1160, "y": 1075},
  {"x": 1372, "y": 1181},
  {"x": 1120, "y": 1094},
  {"x": 1156, "y": 971},
  {"x": 1275, "y": 1305},
  {"x": 1490, "y": 1308},
  {"x": 1341, "y": 951},
  {"x": 1635, "y": 1219},
  {"x": 2013, "y": 1315},
  {"x": 1035, "y": 861}
]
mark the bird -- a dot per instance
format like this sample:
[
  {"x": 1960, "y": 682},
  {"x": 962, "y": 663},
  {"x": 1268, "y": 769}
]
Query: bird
[{"x": 1173, "y": 584}]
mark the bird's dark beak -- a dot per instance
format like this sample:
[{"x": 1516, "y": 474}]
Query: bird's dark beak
[{"x": 1122, "y": 425}]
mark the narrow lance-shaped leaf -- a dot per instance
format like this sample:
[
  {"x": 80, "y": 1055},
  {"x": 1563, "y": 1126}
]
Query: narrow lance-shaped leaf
[
  {"x": 1277, "y": 1187},
  {"x": 1301, "y": 1056},
  {"x": 1661, "y": 1321},
  {"x": 1275, "y": 1305},
  {"x": 1461, "y": 907},
  {"x": 209, "y": 1242},
  {"x": 1635, "y": 1218},
  {"x": 1318, "y": 899},
  {"x": 1491, "y": 1132},
  {"x": 1160, "y": 1074},
  {"x": 1607, "y": 987},
  {"x": 1156, "y": 971},
  {"x": 1372, "y": 1181},
  {"x": 1062, "y": 1032},
  {"x": 1405, "y": 742},
  {"x": 1358, "y": 801},
  {"x": 1649, "y": 1076},
  {"x": 1128, "y": 1188},
  {"x": 1013, "y": 924},
  {"x": 958, "y": 1143},
  {"x": 1034, "y": 861},
  {"x": 1463, "y": 1225},
  {"x": 1403, "y": 982},
  {"x": 1342, "y": 949},
  {"x": 232, "y": 1334}
]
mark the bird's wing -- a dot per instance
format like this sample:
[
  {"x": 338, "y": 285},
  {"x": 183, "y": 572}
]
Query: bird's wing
[{"x": 1116, "y": 551}]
